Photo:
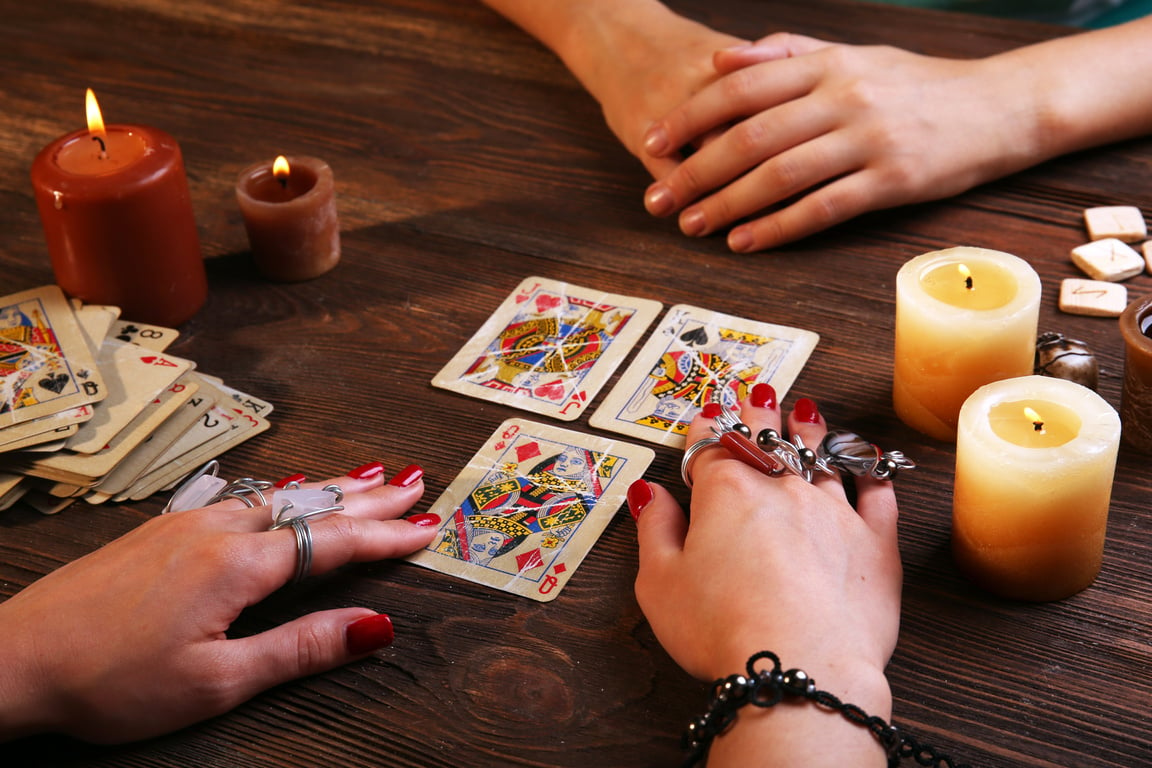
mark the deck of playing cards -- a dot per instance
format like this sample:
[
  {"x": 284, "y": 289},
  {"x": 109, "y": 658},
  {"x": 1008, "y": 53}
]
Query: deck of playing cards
[{"x": 93, "y": 406}]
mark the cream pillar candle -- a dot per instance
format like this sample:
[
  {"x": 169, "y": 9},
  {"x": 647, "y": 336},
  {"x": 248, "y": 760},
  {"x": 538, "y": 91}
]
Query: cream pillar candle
[
  {"x": 964, "y": 317},
  {"x": 1035, "y": 456}
]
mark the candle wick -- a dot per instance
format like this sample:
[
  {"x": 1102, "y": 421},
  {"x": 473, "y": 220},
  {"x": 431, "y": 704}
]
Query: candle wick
[
  {"x": 1038, "y": 426},
  {"x": 968, "y": 282},
  {"x": 283, "y": 181},
  {"x": 103, "y": 149}
]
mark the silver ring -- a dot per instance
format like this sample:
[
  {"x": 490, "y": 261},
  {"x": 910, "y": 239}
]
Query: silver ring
[
  {"x": 312, "y": 503},
  {"x": 243, "y": 488},
  {"x": 303, "y": 548},
  {"x": 690, "y": 454}
]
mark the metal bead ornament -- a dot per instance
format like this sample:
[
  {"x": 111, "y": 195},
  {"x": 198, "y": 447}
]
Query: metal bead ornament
[
  {"x": 774, "y": 455},
  {"x": 848, "y": 452},
  {"x": 1063, "y": 358}
]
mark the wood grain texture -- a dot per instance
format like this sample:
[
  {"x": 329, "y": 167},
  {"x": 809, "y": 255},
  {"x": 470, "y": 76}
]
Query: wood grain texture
[{"x": 466, "y": 159}]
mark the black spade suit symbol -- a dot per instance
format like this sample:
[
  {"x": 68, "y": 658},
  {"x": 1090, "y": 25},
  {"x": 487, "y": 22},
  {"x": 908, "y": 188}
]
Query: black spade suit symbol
[
  {"x": 697, "y": 337},
  {"x": 54, "y": 382}
]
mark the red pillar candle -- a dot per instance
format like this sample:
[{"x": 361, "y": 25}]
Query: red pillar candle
[
  {"x": 289, "y": 209},
  {"x": 118, "y": 219}
]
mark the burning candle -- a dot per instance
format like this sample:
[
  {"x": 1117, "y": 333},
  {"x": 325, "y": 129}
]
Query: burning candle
[
  {"x": 289, "y": 209},
  {"x": 118, "y": 219},
  {"x": 1035, "y": 457},
  {"x": 1136, "y": 398},
  {"x": 964, "y": 317}
]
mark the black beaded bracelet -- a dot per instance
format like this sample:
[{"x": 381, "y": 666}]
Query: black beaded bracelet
[{"x": 768, "y": 687}]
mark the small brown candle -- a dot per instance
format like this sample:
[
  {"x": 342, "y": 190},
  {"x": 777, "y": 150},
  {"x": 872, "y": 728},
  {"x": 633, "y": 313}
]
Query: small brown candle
[
  {"x": 1136, "y": 399},
  {"x": 118, "y": 219},
  {"x": 289, "y": 209}
]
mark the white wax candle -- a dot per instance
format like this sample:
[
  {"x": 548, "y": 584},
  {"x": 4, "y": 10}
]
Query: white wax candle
[
  {"x": 964, "y": 317},
  {"x": 1033, "y": 486}
]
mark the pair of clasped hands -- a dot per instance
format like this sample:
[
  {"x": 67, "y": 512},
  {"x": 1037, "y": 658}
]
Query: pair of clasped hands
[{"x": 131, "y": 640}]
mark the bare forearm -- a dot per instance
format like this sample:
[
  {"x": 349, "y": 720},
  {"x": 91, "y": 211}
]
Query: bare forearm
[
  {"x": 585, "y": 34},
  {"x": 1088, "y": 89}
]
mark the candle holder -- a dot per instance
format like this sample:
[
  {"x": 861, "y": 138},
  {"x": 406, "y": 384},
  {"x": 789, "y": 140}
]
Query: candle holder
[{"x": 1136, "y": 398}]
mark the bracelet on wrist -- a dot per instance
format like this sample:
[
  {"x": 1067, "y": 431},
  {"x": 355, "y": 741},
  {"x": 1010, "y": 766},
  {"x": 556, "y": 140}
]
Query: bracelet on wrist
[{"x": 768, "y": 687}]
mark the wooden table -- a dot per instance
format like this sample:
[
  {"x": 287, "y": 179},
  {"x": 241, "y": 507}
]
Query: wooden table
[{"x": 467, "y": 159}]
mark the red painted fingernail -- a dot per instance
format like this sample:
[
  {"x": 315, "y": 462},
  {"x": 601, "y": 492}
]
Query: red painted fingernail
[
  {"x": 806, "y": 410},
  {"x": 406, "y": 476},
  {"x": 763, "y": 395},
  {"x": 296, "y": 478},
  {"x": 371, "y": 469},
  {"x": 369, "y": 634},
  {"x": 425, "y": 520},
  {"x": 712, "y": 410},
  {"x": 639, "y": 496}
]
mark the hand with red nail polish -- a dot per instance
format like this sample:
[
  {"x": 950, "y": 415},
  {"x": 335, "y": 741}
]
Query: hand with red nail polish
[
  {"x": 95, "y": 650},
  {"x": 774, "y": 563}
]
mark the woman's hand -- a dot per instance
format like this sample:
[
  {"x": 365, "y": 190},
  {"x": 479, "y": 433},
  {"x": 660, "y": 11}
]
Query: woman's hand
[
  {"x": 823, "y": 132},
  {"x": 779, "y": 564},
  {"x": 131, "y": 640},
  {"x": 770, "y": 563}
]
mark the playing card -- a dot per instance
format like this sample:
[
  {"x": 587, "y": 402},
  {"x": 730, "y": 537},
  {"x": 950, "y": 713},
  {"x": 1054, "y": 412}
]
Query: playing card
[
  {"x": 56, "y": 426},
  {"x": 529, "y": 506},
  {"x": 696, "y": 356},
  {"x": 134, "y": 376},
  {"x": 235, "y": 417},
  {"x": 84, "y": 469},
  {"x": 45, "y": 363},
  {"x": 154, "y": 337},
  {"x": 11, "y": 489},
  {"x": 136, "y": 462},
  {"x": 94, "y": 321},
  {"x": 549, "y": 347}
]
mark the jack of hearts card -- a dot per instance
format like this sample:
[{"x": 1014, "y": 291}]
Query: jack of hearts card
[
  {"x": 549, "y": 347},
  {"x": 529, "y": 506},
  {"x": 696, "y": 356}
]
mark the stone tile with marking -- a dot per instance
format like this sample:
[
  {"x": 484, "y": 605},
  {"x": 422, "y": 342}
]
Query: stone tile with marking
[
  {"x": 1123, "y": 222},
  {"x": 1097, "y": 298},
  {"x": 1108, "y": 259}
]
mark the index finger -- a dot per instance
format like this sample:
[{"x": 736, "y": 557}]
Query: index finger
[{"x": 734, "y": 96}]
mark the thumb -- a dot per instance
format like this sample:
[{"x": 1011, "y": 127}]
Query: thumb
[
  {"x": 661, "y": 525},
  {"x": 781, "y": 45},
  {"x": 306, "y": 646}
]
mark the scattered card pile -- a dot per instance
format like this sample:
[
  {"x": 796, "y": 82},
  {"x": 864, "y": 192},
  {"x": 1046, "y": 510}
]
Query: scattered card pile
[
  {"x": 93, "y": 407},
  {"x": 534, "y": 500}
]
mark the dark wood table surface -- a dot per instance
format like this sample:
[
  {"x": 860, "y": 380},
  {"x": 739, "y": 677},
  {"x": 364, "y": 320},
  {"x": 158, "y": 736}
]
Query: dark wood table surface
[{"x": 466, "y": 159}]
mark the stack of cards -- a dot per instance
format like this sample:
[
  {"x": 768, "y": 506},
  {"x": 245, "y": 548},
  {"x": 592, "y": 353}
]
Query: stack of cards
[
  {"x": 534, "y": 500},
  {"x": 94, "y": 407}
]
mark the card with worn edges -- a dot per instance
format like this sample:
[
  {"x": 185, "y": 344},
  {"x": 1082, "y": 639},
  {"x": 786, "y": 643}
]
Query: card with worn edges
[
  {"x": 133, "y": 377},
  {"x": 549, "y": 347},
  {"x": 529, "y": 506},
  {"x": 46, "y": 365},
  {"x": 696, "y": 356}
]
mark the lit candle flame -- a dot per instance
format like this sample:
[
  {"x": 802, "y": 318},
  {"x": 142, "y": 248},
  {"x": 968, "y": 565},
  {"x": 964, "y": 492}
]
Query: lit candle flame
[
  {"x": 966, "y": 274},
  {"x": 1032, "y": 416},
  {"x": 95, "y": 121},
  {"x": 281, "y": 170}
]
